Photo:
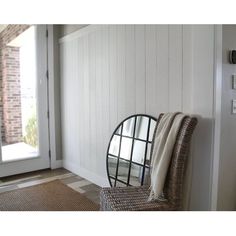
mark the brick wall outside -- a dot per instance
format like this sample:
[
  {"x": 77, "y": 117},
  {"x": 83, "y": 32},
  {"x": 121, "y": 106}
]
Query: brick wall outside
[{"x": 10, "y": 94}]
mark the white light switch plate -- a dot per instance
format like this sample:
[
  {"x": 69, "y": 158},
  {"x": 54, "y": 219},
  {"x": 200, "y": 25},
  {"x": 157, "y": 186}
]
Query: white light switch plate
[
  {"x": 233, "y": 106},
  {"x": 233, "y": 81}
]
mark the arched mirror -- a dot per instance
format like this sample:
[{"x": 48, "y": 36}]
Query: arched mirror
[{"x": 128, "y": 153}]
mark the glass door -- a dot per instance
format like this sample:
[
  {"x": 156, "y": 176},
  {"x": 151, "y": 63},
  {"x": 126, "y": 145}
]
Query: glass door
[{"x": 24, "y": 99}]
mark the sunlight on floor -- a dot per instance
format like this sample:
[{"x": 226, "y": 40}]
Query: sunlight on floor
[{"x": 18, "y": 151}]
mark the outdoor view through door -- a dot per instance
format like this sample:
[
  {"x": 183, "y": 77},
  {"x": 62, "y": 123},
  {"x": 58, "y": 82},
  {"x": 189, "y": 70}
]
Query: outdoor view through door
[
  {"x": 24, "y": 109},
  {"x": 18, "y": 104}
]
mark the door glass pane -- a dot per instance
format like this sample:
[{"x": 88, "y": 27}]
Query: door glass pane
[{"x": 19, "y": 131}]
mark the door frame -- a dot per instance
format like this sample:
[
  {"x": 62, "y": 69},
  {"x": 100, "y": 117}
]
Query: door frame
[
  {"x": 43, "y": 160},
  {"x": 54, "y": 97}
]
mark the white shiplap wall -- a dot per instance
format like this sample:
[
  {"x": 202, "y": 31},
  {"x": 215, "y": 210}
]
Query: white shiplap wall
[{"x": 109, "y": 72}]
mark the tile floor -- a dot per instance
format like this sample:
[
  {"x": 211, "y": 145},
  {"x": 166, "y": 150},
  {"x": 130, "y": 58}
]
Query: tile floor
[{"x": 83, "y": 186}]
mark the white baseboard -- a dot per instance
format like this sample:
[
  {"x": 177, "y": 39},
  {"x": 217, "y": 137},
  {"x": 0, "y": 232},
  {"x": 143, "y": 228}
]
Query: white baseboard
[
  {"x": 56, "y": 164},
  {"x": 84, "y": 173}
]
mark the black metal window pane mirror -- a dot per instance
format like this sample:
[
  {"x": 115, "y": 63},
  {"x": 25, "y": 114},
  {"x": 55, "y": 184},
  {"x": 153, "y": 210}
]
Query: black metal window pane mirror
[{"x": 128, "y": 153}]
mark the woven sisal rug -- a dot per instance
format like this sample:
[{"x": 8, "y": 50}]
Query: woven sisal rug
[{"x": 51, "y": 196}]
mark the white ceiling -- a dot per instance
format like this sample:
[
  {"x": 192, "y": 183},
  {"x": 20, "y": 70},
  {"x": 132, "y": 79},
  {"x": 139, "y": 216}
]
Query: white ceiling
[{"x": 2, "y": 27}]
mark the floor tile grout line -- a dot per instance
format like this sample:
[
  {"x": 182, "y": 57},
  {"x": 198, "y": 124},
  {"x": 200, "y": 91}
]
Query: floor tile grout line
[
  {"x": 7, "y": 183},
  {"x": 49, "y": 179}
]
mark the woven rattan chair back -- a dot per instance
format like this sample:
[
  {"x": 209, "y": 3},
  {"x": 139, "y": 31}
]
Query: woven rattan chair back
[{"x": 175, "y": 176}]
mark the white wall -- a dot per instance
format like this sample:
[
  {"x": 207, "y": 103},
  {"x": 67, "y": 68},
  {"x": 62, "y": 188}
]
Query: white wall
[
  {"x": 202, "y": 104},
  {"x": 227, "y": 167},
  {"x": 110, "y": 72}
]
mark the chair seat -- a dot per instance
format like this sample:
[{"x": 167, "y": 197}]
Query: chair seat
[{"x": 131, "y": 199}]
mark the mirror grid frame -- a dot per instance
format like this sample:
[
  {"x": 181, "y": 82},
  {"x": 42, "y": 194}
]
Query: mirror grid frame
[{"x": 144, "y": 165}]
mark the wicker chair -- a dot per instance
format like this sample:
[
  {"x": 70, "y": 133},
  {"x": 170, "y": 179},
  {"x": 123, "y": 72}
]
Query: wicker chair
[{"x": 135, "y": 198}]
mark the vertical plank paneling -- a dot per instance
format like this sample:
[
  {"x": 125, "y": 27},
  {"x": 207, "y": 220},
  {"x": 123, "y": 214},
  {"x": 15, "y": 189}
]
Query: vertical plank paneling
[
  {"x": 162, "y": 66},
  {"x": 175, "y": 68},
  {"x": 92, "y": 93},
  {"x": 79, "y": 99},
  {"x": 151, "y": 81},
  {"x": 68, "y": 88},
  {"x": 187, "y": 69},
  {"x": 113, "y": 72},
  {"x": 69, "y": 95},
  {"x": 86, "y": 99},
  {"x": 110, "y": 72},
  {"x": 121, "y": 72},
  {"x": 113, "y": 78},
  {"x": 140, "y": 70},
  {"x": 105, "y": 95},
  {"x": 98, "y": 114},
  {"x": 74, "y": 101},
  {"x": 202, "y": 45},
  {"x": 130, "y": 70}
]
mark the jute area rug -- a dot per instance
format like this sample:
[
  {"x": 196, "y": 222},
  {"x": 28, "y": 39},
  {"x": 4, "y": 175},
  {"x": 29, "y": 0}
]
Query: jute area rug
[{"x": 51, "y": 196}]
